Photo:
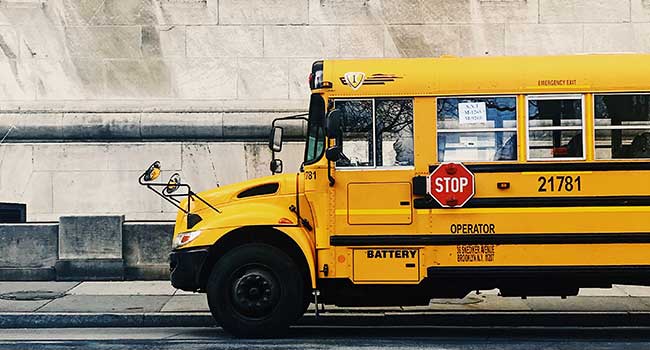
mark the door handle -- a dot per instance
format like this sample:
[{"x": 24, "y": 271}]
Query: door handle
[{"x": 405, "y": 203}]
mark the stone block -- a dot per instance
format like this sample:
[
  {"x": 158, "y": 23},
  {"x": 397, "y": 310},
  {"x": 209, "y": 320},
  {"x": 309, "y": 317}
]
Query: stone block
[
  {"x": 89, "y": 269},
  {"x": 182, "y": 126},
  {"x": 642, "y": 37},
  {"x": 163, "y": 41},
  {"x": 104, "y": 42},
  {"x": 188, "y": 12},
  {"x": 299, "y": 70},
  {"x": 345, "y": 12},
  {"x": 605, "y": 37},
  {"x": 580, "y": 11},
  {"x": 248, "y": 125},
  {"x": 16, "y": 168},
  {"x": 263, "y": 12},
  {"x": 103, "y": 192},
  {"x": 225, "y": 41},
  {"x": 207, "y": 164},
  {"x": 70, "y": 157},
  {"x": 74, "y": 13},
  {"x": 146, "y": 250},
  {"x": 26, "y": 126},
  {"x": 263, "y": 79},
  {"x": 403, "y": 11},
  {"x": 9, "y": 48},
  {"x": 28, "y": 246},
  {"x": 88, "y": 77},
  {"x": 361, "y": 41},
  {"x": 422, "y": 41},
  {"x": 301, "y": 41},
  {"x": 90, "y": 237},
  {"x": 138, "y": 78},
  {"x": 258, "y": 157},
  {"x": 482, "y": 40},
  {"x": 41, "y": 40},
  {"x": 640, "y": 10},
  {"x": 125, "y": 12},
  {"x": 54, "y": 80},
  {"x": 138, "y": 156},
  {"x": 544, "y": 39},
  {"x": 479, "y": 11},
  {"x": 38, "y": 194},
  {"x": 101, "y": 126},
  {"x": 205, "y": 78},
  {"x": 17, "y": 82}
]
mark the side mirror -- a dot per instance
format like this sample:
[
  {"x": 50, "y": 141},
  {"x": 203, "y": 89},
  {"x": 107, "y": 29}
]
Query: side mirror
[
  {"x": 173, "y": 183},
  {"x": 276, "y": 166},
  {"x": 153, "y": 172},
  {"x": 334, "y": 124},
  {"x": 333, "y": 154},
  {"x": 275, "y": 140}
]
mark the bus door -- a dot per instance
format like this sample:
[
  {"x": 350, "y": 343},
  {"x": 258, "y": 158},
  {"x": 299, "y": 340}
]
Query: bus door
[{"x": 373, "y": 186}]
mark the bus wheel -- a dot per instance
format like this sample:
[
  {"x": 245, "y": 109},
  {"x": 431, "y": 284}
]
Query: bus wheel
[{"x": 255, "y": 290}]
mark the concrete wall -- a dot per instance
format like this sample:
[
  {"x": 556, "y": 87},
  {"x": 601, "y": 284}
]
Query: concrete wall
[
  {"x": 85, "y": 248},
  {"x": 92, "y": 91}
]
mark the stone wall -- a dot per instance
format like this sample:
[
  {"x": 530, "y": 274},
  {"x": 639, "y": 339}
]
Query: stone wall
[
  {"x": 92, "y": 91},
  {"x": 85, "y": 248}
]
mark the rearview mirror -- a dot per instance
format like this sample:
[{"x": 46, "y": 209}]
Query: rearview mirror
[
  {"x": 334, "y": 124},
  {"x": 275, "y": 141},
  {"x": 153, "y": 172},
  {"x": 173, "y": 183},
  {"x": 333, "y": 154},
  {"x": 276, "y": 166}
]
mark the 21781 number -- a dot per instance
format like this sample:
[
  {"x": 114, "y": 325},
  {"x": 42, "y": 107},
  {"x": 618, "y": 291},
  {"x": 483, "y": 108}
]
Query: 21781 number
[{"x": 559, "y": 183}]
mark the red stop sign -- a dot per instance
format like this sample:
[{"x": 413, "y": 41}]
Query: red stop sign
[{"x": 451, "y": 185}]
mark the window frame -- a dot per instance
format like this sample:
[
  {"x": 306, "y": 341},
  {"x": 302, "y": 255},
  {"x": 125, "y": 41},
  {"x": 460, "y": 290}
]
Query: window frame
[
  {"x": 374, "y": 134},
  {"x": 583, "y": 126},
  {"x": 616, "y": 127},
  {"x": 478, "y": 130}
]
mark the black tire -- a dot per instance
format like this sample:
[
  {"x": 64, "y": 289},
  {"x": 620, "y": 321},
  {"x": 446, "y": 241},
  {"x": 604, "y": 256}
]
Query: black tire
[{"x": 256, "y": 291}]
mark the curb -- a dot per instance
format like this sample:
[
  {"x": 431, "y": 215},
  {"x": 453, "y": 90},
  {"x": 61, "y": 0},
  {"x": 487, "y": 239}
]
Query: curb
[{"x": 428, "y": 319}]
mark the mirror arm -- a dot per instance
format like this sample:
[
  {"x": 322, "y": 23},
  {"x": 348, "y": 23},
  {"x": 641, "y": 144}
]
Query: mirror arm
[
  {"x": 174, "y": 203},
  {"x": 329, "y": 173}
]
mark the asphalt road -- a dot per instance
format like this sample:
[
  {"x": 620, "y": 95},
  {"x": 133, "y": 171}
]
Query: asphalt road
[{"x": 305, "y": 338}]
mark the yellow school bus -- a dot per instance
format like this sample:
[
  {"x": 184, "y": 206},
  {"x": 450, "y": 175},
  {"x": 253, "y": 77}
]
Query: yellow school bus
[{"x": 556, "y": 196}]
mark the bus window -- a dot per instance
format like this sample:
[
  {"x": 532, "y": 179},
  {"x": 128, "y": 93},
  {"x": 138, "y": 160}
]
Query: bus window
[
  {"x": 392, "y": 141},
  {"x": 622, "y": 126},
  {"x": 358, "y": 139},
  {"x": 477, "y": 129},
  {"x": 394, "y": 132},
  {"x": 555, "y": 127}
]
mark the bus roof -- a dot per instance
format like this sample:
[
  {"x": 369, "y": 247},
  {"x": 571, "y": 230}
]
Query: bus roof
[{"x": 488, "y": 75}]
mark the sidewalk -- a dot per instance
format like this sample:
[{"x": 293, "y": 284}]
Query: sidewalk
[{"x": 157, "y": 303}]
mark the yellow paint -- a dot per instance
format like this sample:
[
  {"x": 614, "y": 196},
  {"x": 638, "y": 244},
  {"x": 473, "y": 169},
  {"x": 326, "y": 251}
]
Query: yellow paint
[{"x": 368, "y": 201}]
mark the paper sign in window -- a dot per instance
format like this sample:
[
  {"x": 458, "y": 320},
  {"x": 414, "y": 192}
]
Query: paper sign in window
[{"x": 472, "y": 113}]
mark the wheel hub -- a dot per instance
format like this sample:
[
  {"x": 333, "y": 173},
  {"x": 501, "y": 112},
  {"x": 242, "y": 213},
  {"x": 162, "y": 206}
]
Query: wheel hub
[{"x": 255, "y": 293}]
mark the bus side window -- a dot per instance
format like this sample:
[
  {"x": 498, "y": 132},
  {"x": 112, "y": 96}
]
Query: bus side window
[
  {"x": 358, "y": 140},
  {"x": 622, "y": 126},
  {"x": 555, "y": 127},
  {"x": 478, "y": 129},
  {"x": 394, "y": 132}
]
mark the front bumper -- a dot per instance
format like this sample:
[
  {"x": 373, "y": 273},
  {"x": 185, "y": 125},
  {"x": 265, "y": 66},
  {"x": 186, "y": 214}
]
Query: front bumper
[{"x": 185, "y": 267}]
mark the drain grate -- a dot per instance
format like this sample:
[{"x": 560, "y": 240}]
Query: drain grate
[{"x": 31, "y": 295}]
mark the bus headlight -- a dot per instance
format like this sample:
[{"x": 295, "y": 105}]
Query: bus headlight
[{"x": 184, "y": 238}]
